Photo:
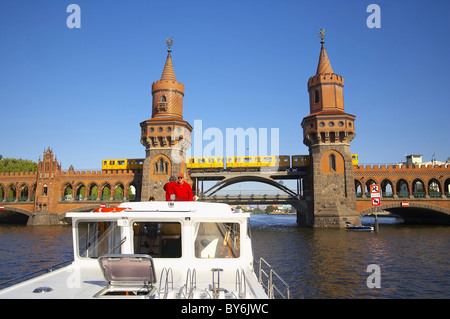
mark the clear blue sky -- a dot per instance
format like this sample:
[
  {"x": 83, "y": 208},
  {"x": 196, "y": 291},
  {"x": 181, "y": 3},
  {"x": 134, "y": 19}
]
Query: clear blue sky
[{"x": 83, "y": 92}]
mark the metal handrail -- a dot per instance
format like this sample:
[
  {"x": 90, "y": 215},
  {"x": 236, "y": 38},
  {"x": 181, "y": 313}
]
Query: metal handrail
[
  {"x": 271, "y": 287},
  {"x": 165, "y": 291},
  {"x": 35, "y": 273}
]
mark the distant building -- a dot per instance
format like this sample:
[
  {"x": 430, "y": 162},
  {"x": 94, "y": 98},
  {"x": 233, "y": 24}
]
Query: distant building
[{"x": 417, "y": 160}]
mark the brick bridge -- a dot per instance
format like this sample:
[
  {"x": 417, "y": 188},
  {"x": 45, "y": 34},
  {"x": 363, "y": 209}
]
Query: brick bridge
[
  {"x": 422, "y": 189},
  {"x": 417, "y": 193},
  {"x": 43, "y": 197}
]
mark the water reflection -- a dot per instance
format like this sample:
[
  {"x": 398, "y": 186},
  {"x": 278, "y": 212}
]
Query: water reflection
[
  {"x": 332, "y": 263},
  {"x": 24, "y": 249},
  {"x": 316, "y": 263}
]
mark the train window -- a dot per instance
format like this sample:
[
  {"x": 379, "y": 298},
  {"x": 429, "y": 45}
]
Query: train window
[
  {"x": 120, "y": 162},
  {"x": 267, "y": 159},
  {"x": 111, "y": 162},
  {"x": 139, "y": 162},
  {"x": 105, "y": 162}
]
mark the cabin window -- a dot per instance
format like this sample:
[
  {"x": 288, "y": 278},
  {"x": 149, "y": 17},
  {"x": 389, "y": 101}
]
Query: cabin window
[
  {"x": 157, "y": 239},
  {"x": 99, "y": 238},
  {"x": 217, "y": 240}
]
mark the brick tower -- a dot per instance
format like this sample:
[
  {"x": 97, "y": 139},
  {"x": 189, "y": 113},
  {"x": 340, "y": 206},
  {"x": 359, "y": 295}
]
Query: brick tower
[
  {"x": 328, "y": 131},
  {"x": 166, "y": 136}
]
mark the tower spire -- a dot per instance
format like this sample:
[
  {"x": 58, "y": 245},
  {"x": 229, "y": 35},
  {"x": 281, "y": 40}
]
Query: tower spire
[
  {"x": 324, "y": 65},
  {"x": 168, "y": 72}
]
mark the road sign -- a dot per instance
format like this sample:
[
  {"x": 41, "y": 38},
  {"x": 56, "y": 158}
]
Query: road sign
[
  {"x": 376, "y": 201},
  {"x": 375, "y": 189}
]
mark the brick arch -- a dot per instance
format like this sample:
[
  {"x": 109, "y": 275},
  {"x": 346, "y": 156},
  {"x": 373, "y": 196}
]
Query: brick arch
[
  {"x": 411, "y": 205},
  {"x": 398, "y": 184},
  {"x": 77, "y": 186},
  {"x": 9, "y": 187},
  {"x": 114, "y": 187},
  {"x": 384, "y": 182},
  {"x": 435, "y": 180},
  {"x": 18, "y": 210},
  {"x": 416, "y": 180}
]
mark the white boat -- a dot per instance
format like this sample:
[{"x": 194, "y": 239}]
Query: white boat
[{"x": 158, "y": 250}]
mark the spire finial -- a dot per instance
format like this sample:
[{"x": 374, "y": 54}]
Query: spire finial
[
  {"x": 169, "y": 42},
  {"x": 322, "y": 35}
]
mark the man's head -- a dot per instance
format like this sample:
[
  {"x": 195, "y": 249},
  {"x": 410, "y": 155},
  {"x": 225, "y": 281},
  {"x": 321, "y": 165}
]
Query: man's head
[{"x": 181, "y": 178}]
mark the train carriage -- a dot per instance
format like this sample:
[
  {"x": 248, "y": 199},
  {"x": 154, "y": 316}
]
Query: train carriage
[
  {"x": 231, "y": 163},
  {"x": 215, "y": 163},
  {"x": 300, "y": 161},
  {"x": 124, "y": 164}
]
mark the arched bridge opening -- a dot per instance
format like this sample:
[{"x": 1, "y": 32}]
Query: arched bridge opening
[
  {"x": 415, "y": 213},
  {"x": 248, "y": 178},
  {"x": 274, "y": 193},
  {"x": 14, "y": 215}
]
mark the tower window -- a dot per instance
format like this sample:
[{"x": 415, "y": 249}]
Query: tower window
[
  {"x": 332, "y": 163},
  {"x": 162, "y": 105},
  {"x": 316, "y": 96},
  {"x": 161, "y": 167}
]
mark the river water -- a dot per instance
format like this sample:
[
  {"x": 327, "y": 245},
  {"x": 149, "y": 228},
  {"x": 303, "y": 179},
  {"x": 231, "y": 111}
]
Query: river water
[{"x": 412, "y": 261}]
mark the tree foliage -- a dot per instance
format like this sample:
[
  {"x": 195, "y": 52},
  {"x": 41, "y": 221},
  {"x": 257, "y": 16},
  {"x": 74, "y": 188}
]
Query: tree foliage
[{"x": 17, "y": 165}]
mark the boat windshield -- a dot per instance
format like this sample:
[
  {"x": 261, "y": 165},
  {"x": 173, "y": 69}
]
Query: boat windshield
[
  {"x": 217, "y": 240},
  {"x": 157, "y": 239},
  {"x": 98, "y": 238}
]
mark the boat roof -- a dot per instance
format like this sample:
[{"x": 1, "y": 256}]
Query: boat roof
[{"x": 193, "y": 209}]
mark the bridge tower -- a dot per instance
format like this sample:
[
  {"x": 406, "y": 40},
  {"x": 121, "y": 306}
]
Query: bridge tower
[
  {"x": 328, "y": 131},
  {"x": 166, "y": 136}
]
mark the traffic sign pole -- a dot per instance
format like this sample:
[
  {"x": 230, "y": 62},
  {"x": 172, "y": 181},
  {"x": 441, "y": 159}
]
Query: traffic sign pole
[{"x": 375, "y": 195}]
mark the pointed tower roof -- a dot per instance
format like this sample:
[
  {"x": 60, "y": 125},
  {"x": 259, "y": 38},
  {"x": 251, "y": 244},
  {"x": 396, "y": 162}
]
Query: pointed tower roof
[
  {"x": 168, "y": 72},
  {"x": 324, "y": 65}
]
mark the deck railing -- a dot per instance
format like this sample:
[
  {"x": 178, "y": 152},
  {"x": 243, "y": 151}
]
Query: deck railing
[{"x": 271, "y": 281}]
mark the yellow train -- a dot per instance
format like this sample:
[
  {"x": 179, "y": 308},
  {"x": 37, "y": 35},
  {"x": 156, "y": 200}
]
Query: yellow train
[
  {"x": 134, "y": 163},
  {"x": 232, "y": 163}
]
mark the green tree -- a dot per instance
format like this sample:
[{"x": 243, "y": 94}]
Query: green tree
[{"x": 17, "y": 165}]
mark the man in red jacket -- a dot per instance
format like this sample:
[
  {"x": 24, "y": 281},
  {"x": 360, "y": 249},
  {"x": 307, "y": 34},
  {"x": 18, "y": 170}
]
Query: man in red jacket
[
  {"x": 170, "y": 188},
  {"x": 183, "y": 191}
]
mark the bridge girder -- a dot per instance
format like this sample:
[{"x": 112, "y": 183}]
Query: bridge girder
[{"x": 247, "y": 178}]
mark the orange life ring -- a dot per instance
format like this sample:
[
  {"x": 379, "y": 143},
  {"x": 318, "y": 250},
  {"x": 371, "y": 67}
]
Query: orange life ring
[{"x": 109, "y": 209}]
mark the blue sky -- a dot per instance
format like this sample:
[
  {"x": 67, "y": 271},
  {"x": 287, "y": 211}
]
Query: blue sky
[{"x": 83, "y": 92}]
